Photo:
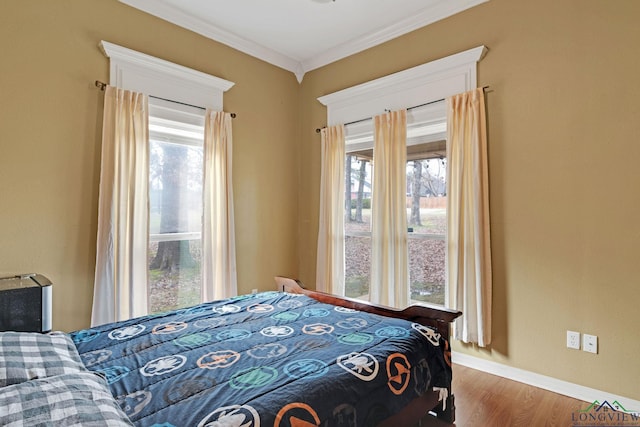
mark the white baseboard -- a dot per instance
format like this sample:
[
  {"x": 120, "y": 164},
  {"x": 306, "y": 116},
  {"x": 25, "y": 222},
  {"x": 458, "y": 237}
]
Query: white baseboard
[{"x": 541, "y": 381}]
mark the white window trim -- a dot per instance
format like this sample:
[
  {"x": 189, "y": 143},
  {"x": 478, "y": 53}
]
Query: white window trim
[
  {"x": 143, "y": 73},
  {"x": 172, "y": 237},
  {"x": 425, "y": 83}
]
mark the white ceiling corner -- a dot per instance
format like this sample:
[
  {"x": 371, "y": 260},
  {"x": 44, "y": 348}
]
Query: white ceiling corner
[{"x": 302, "y": 35}]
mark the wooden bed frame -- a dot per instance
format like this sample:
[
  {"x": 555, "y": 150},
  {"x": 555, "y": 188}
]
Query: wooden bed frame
[{"x": 424, "y": 314}]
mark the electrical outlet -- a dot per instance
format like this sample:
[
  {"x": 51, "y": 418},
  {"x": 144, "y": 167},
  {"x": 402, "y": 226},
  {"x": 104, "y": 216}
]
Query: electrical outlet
[
  {"x": 573, "y": 340},
  {"x": 254, "y": 291},
  {"x": 590, "y": 343}
]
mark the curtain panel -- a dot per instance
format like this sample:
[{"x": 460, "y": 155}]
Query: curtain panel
[
  {"x": 330, "y": 255},
  {"x": 389, "y": 252},
  {"x": 469, "y": 274},
  {"x": 122, "y": 240},
  {"x": 219, "y": 275}
]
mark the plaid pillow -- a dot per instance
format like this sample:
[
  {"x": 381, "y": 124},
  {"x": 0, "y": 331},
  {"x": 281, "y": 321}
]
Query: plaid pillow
[
  {"x": 25, "y": 356},
  {"x": 79, "y": 399}
]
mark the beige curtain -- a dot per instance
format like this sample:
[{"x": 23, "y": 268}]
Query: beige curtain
[
  {"x": 330, "y": 255},
  {"x": 468, "y": 236},
  {"x": 390, "y": 266},
  {"x": 120, "y": 289},
  {"x": 219, "y": 277}
]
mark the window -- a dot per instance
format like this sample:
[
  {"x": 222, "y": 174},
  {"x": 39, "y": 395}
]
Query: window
[
  {"x": 423, "y": 85},
  {"x": 177, "y": 202},
  {"x": 175, "y": 206},
  {"x": 426, "y": 206}
]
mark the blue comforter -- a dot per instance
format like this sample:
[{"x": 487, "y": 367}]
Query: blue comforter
[{"x": 265, "y": 359}]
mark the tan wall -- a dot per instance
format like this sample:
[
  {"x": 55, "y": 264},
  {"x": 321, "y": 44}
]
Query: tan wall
[
  {"x": 563, "y": 124},
  {"x": 50, "y": 137}
]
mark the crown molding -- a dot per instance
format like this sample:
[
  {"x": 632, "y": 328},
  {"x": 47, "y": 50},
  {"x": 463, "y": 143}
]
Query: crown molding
[
  {"x": 426, "y": 17},
  {"x": 299, "y": 67},
  {"x": 177, "y": 17}
]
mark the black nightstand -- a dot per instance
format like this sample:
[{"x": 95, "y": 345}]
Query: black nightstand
[{"x": 25, "y": 303}]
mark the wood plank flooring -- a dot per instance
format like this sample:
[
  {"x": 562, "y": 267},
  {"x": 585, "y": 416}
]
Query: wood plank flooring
[{"x": 485, "y": 400}]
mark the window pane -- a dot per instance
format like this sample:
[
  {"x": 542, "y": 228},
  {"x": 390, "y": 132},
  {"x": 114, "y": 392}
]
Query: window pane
[
  {"x": 175, "y": 217},
  {"x": 175, "y": 188},
  {"x": 427, "y": 270},
  {"x": 357, "y": 266},
  {"x": 357, "y": 226},
  {"x": 178, "y": 285},
  {"x": 427, "y": 221}
]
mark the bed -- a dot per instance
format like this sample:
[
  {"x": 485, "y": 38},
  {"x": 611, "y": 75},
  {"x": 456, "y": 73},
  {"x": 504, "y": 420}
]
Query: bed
[
  {"x": 294, "y": 358},
  {"x": 438, "y": 318}
]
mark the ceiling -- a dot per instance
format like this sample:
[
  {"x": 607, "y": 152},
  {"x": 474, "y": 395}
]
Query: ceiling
[{"x": 302, "y": 35}]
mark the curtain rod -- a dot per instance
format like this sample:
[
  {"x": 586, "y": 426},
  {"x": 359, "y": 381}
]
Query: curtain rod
[
  {"x": 102, "y": 86},
  {"x": 410, "y": 108}
]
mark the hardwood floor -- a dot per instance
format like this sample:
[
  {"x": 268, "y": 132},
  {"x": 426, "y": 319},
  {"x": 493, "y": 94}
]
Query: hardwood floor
[{"x": 485, "y": 400}]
